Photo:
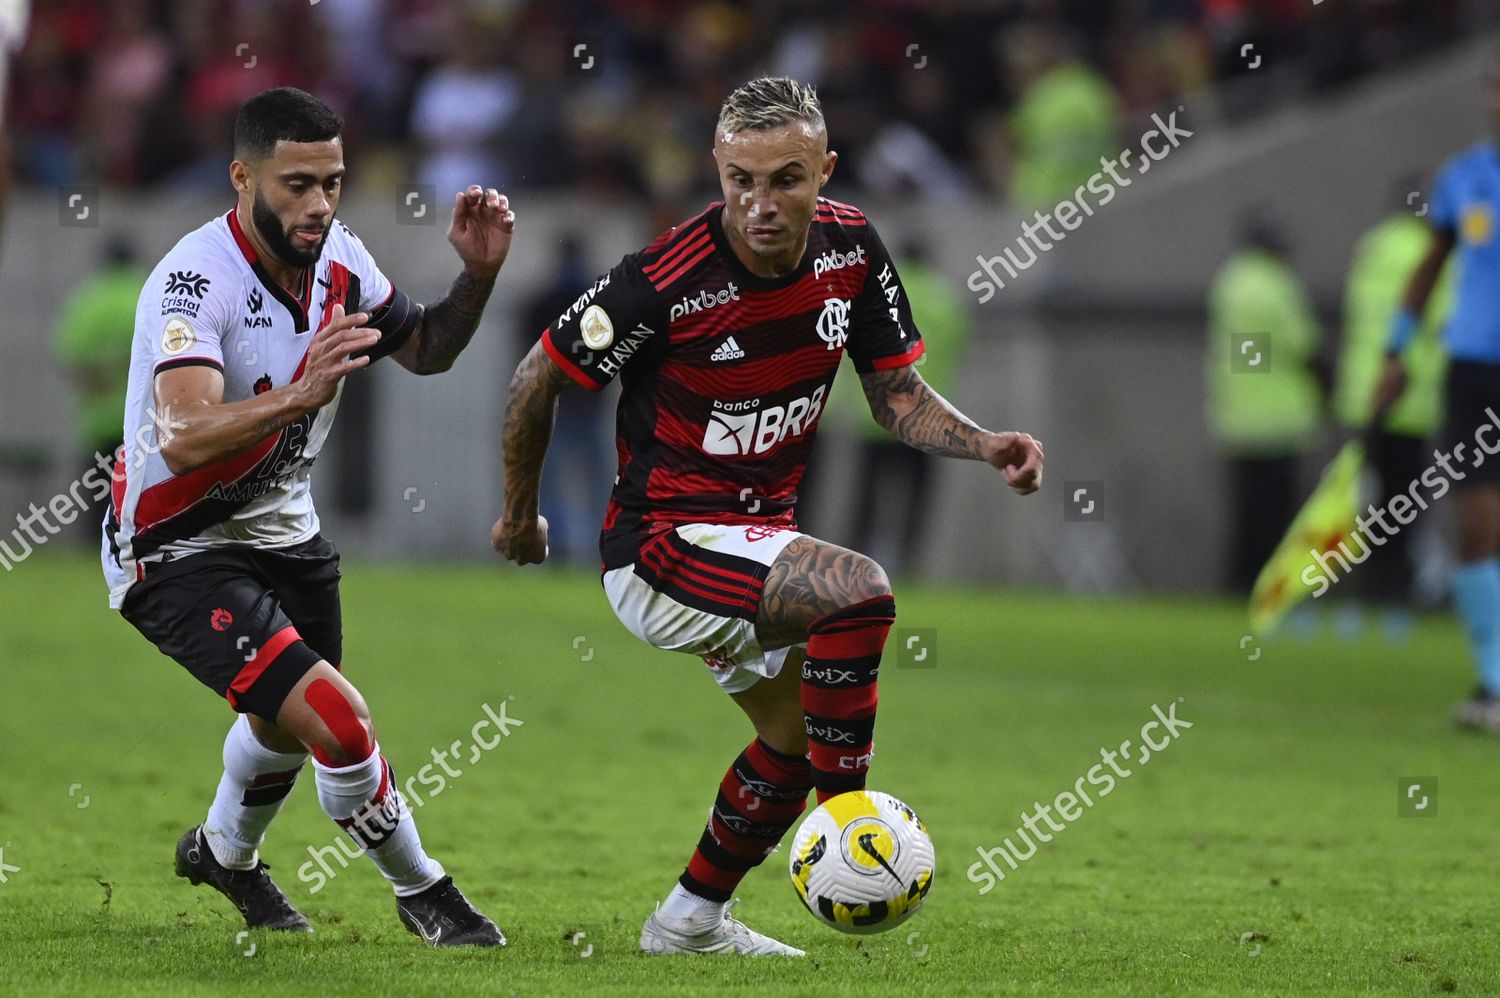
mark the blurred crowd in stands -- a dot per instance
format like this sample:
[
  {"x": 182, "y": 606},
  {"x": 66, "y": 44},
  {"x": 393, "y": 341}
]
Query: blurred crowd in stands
[{"x": 938, "y": 98}]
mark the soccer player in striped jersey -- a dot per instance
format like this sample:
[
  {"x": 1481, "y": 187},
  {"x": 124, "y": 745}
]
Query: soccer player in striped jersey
[
  {"x": 212, "y": 548},
  {"x": 726, "y": 333}
]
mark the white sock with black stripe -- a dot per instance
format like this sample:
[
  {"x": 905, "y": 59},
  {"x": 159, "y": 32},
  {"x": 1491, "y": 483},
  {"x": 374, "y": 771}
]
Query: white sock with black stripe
[{"x": 255, "y": 784}]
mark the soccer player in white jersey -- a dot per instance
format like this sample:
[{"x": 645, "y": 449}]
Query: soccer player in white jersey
[{"x": 244, "y": 334}]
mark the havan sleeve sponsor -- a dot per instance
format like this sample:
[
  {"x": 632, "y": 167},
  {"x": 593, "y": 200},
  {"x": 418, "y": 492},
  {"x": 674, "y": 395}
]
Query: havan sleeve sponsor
[
  {"x": 882, "y": 333},
  {"x": 613, "y": 323}
]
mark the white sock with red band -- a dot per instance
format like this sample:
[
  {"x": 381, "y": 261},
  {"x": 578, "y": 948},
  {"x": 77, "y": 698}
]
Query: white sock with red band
[
  {"x": 363, "y": 800},
  {"x": 255, "y": 784}
]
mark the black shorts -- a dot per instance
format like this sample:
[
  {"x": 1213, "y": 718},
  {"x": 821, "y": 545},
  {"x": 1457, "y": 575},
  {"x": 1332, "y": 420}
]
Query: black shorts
[
  {"x": 1472, "y": 387},
  {"x": 246, "y": 622}
]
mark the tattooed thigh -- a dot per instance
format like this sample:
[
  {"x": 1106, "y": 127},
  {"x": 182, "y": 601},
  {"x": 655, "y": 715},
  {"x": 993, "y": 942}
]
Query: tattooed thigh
[{"x": 811, "y": 579}]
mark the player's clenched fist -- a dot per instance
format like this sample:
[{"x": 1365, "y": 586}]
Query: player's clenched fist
[
  {"x": 329, "y": 355},
  {"x": 1019, "y": 456},
  {"x": 524, "y": 542}
]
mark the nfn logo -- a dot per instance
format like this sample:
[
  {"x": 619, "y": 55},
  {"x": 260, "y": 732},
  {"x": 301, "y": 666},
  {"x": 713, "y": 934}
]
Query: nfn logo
[
  {"x": 255, "y": 320},
  {"x": 739, "y": 429}
]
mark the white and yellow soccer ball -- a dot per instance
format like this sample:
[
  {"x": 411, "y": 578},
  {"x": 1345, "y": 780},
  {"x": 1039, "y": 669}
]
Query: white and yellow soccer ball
[{"x": 862, "y": 862}]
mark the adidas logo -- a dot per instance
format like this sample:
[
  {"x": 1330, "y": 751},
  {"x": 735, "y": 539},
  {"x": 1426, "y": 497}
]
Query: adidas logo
[{"x": 728, "y": 350}]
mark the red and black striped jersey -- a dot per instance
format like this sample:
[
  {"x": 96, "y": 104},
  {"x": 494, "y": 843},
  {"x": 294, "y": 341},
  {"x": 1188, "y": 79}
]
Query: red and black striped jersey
[{"x": 723, "y": 373}]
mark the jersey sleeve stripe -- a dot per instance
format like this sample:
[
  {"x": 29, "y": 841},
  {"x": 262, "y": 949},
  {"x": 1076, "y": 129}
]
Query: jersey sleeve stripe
[
  {"x": 175, "y": 362},
  {"x": 823, "y": 218},
  {"x": 840, "y": 206},
  {"x": 680, "y": 242},
  {"x": 697, "y": 258},
  {"x": 683, "y": 249},
  {"x": 571, "y": 369},
  {"x": 899, "y": 360}
]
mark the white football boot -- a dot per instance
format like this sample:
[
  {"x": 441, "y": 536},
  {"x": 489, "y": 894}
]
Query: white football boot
[{"x": 729, "y": 936}]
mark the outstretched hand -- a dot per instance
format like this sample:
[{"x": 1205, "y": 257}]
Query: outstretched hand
[{"x": 481, "y": 229}]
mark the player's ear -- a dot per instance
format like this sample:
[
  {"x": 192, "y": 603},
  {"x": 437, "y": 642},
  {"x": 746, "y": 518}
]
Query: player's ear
[
  {"x": 828, "y": 163},
  {"x": 239, "y": 176}
]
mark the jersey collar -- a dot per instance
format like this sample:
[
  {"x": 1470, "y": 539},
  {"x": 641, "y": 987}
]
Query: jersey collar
[
  {"x": 740, "y": 271},
  {"x": 296, "y": 305}
]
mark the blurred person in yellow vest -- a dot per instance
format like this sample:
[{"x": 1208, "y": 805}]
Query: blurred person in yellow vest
[
  {"x": 1066, "y": 117},
  {"x": 1384, "y": 261},
  {"x": 1264, "y": 393},
  {"x": 92, "y": 341},
  {"x": 893, "y": 482}
]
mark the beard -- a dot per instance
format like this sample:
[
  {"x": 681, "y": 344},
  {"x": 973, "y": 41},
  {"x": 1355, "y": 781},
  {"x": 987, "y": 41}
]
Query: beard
[{"x": 280, "y": 240}]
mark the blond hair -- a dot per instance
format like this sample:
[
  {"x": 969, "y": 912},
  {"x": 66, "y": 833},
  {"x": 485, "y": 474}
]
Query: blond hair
[{"x": 769, "y": 102}]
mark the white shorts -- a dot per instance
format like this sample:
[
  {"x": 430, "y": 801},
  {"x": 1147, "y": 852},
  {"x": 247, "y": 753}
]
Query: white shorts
[{"x": 696, "y": 589}]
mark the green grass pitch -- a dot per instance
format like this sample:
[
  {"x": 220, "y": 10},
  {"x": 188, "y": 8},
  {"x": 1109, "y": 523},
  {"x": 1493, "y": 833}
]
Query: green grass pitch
[{"x": 1262, "y": 852}]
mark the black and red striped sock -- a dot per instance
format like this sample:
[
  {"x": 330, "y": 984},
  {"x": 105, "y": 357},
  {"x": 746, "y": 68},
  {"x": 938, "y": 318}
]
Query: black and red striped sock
[
  {"x": 759, "y": 799},
  {"x": 839, "y": 692}
]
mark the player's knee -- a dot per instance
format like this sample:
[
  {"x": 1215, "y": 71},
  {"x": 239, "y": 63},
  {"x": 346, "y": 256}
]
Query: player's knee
[
  {"x": 345, "y": 733},
  {"x": 272, "y": 736},
  {"x": 868, "y": 581}
]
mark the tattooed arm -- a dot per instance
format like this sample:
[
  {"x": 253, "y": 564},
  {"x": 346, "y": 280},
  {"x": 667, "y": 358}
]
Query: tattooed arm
[
  {"x": 480, "y": 232},
  {"x": 907, "y": 406},
  {"x": 521, "y": 532},
  {"x": 447, "y": 326}
]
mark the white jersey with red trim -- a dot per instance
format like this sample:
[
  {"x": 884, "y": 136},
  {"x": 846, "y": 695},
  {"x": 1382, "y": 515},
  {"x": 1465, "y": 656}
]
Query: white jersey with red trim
[{"x": 211, "y": 302}]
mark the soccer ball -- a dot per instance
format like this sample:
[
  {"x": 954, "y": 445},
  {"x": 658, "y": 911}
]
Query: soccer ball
[{"x": 862, "y": 862}]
